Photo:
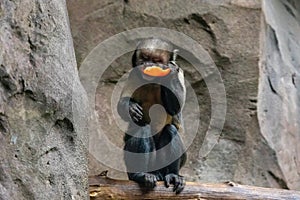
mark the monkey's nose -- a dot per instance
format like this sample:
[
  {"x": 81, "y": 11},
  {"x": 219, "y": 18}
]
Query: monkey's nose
[{"x": 148, "y": 63}]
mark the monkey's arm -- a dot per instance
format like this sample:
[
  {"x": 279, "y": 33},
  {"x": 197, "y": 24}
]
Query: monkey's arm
[
  {"x": 128, "y": 108},
  {"x": 173, "y": 91}
]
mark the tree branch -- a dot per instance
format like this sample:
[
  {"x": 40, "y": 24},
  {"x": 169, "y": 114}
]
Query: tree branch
[{"x": 102, "y": 187}]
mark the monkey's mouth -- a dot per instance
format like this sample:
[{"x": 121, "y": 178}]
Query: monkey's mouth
[{"x": 156, "y": 70}]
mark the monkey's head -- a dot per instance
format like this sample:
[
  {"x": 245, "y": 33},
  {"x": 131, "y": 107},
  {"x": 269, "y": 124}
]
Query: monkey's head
[
  {"x": 152, "y": 57},
  {"x": 152, "y": 50}
]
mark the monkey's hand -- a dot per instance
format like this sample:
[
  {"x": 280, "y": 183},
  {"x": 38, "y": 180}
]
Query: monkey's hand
[
  {"x": 135, "y": 112},
  {"x": 176, "y": 180},
  {"x": 130, "y": 110}
]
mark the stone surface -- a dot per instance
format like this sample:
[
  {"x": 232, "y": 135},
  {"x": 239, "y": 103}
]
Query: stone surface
[
  {"x": 279, "y": 92},
  {"x": 44, "y": 109},
  {"x": 43, "y": 146}
]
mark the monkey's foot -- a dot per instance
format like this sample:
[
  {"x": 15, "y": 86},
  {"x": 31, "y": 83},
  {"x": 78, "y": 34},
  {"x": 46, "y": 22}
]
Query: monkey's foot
[
  {"x": 149, "y": 180},
  {"x": 176, "y": 180}
]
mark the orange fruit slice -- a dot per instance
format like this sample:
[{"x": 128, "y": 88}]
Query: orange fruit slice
[{"x": 156, "y": 71}]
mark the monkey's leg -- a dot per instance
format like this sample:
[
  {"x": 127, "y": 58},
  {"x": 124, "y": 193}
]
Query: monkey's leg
[
  {"x": 171, "y": 146},
  {"x": 137, "y": 158}
]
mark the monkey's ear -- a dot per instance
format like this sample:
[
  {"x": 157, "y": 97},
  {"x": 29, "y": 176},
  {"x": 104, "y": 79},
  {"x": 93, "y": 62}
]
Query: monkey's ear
[
  {"x": 134, "y": 56},
  {"x": 134, "y": 59}
]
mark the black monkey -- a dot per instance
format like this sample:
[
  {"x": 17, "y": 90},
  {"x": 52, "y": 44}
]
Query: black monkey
[{"x": 147, "y": 134}]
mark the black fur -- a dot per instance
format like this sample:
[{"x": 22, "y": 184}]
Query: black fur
[{"x": 168, "y": 139}]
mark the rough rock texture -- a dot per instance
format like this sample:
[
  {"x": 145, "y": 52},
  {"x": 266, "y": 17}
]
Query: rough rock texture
[
  {"x": 229, "y": 31},
  {"x": 42, "y": 146},
  {"x": 279, "y": 87}
]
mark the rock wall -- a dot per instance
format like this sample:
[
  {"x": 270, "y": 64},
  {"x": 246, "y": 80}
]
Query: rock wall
[
  {"x": 279, "y": 87},
  {"x": 44, "y": 109},
  {"x": 43, "y": 149}
]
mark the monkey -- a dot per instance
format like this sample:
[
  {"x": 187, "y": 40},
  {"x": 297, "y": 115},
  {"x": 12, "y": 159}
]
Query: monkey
[{"x": 157, "y": 136}]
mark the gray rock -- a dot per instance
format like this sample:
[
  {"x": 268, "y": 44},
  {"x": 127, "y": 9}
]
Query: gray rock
[
  {"x": 43, "y": 146},
  {"x": 279, "y": 92}
]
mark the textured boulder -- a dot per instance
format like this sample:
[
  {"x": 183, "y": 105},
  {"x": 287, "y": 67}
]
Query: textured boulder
[
  {"x": 279, "y": 87},
  {"x": 43, "y": 149}
]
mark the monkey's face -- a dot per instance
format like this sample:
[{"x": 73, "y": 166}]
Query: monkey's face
[
  {"x": 157, "y": 56},
  {"x": 148, "y": 58}
]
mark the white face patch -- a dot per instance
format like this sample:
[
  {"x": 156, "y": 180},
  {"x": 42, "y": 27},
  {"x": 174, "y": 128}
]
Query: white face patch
[{"x": 181, "y": 80}]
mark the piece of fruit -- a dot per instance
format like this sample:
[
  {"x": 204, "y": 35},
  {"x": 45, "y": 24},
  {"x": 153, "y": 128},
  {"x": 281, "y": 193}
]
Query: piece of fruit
[{"x": 156, "y": 71}]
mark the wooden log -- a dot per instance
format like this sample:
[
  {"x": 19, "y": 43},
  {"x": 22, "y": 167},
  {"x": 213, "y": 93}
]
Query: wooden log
[{"x": 102, "y": 187}]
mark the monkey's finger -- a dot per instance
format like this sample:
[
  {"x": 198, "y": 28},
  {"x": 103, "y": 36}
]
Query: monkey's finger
[
  {"x": 179, "y": 188},
  {"x": 154, "y": 181},
  {"x": 137, "y": 115},
  {"x": 147, "y": 181},
  {"x": 181, "y": 185},
  {"x": 150, "y": 181},
  {"x": 138, "y": 109},
  {"x": 167, "y": 181},
  {"x": 135, "y": 110},
  {"x": 134, "y": 113},
  {"x": 135, "y": 119},
  {"x": 176, "y": 183}
]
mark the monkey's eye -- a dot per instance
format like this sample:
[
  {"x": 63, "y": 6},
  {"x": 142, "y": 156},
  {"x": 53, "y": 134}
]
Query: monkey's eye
[
  {"x": 157, "y": 60},
  {"x": 145, "y": 57}
]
